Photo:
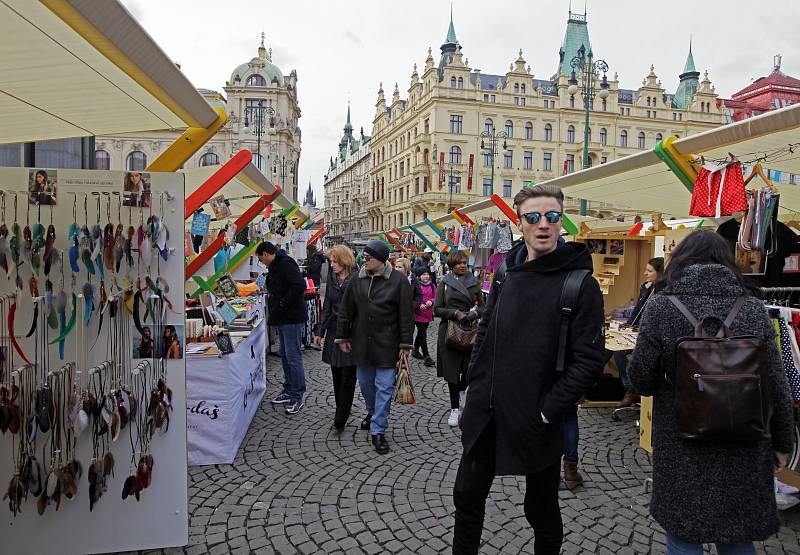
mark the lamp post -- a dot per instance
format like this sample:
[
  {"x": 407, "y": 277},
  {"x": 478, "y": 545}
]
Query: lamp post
[
  {"x": 494, "y": 137},
  {"x": 282, "y": 165},
  {"x": 255, "y": 115},
  {"x": 589, "y": 70}
]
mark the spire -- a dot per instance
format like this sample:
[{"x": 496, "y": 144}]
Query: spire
[
  {"x": 689, "y": 82},
  {"x": 689, "y": 67},
  {"x": 576, "y": 36},
  {"x": 451, "y": 31},
  {"x": 348, "y": 126}
]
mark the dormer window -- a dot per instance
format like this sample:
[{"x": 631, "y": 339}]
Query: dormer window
[{"x": 256, "y": 81}]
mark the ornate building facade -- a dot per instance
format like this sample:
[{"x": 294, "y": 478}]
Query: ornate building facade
[
  {"x": 771, "y": 92},
  {"x": 427, "y": 153},
  {"x": 263, "y": 110},
  {"x": 347, "y": 187}
]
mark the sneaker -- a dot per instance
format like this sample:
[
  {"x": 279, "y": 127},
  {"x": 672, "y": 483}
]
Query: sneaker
[
  {"x": 416, "y": 354},
  {"x": 429, "y": 362},
  {"x": 295, "y": 407},
  {"x": 281, "y": 399},
  {"x": 452, "y": 420}
]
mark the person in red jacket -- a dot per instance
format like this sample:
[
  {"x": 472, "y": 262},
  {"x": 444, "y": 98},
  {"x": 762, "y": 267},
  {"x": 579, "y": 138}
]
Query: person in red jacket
[{"x": 423, "y": 315}]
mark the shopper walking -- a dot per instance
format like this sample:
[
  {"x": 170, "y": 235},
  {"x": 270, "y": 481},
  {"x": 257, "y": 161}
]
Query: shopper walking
[
  {"x": 458, "y": 299},
  {"x": 375, "y": 324},
  {"x": 287, "y": 312},
  {"x": 653, "y": 273},
  {"x": 403, "y": 265},
  {"x": 513, "y": 421},
  {"x": 343, "y": 369},
  {"x": 707, "y": 491},
  {"x": 313, "y": 264},
  {"x": 423, "y": 316}
]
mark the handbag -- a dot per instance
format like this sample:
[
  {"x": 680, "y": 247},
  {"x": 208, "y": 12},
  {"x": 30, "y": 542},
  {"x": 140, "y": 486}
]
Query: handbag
[
  {"x": 461, "y": 335},
  {"x": 404, "y": 389}
]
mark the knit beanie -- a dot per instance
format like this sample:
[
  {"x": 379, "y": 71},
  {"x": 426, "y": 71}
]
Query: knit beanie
[
  {"x": 377, "y": 250},
  {"x": 421, "y": 270}
]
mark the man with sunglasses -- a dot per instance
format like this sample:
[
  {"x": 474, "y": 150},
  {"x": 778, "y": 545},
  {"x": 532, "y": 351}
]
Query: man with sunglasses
[{"x": 517, "y": 399}]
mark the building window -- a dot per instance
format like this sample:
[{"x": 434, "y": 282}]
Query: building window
[
  {"x": 401, "y": 218},
  {"x": 604, "y": 105},
  {"x": 488, "y": 126},
  {"x": 509, "y": 128},
  {"x": 507, "y": 188},
  {"x": 486, "y": 98},
  {"x": 522, "y": 88},
  {"x": 522, "y": 101},
  {"x": 548, "y": 132},
  {"x": 528, "y": 160},
  {"x": 400, "y": 192},
  {"x": 102, "y": 160},
  {"x": 454, "y": 183},
  {"x": 572, "y": 101},
  {"x": 455, "y": 154},
  {"x": 425, "y": 184},
  {"x": 492, "y": 99},
  {"x": 603, "y": 136},
  {"x": 456, "y": 123},
  {"x": 641, "y": 139},
  {"x": 570, "y": 163},
  {"x": 546, "y": 103},
  {"x": 528, "y": 131},
  {"x": 453, "y": 82},
  {"x": 516, "y": 88},
  {"x": 516, "y": 100},
  {"x": 416, "y": 185},
  {"x": 648, "y": 101},
  {"x": 488, "y": 188},
  {"x": 508, "y": 159},
  {"x": 209, "y": 159},
  {"x": 623, "y": 138},
  {"x": 487, "y": 159},
  {"x": 571, "y": 134},
  {"x": 659, "y": 137},
  {"x": 136, "y": 161},
  {"x": 256, "y": 81},
  {"x": 460, "y": 82},
  {"x": 604, "y": 159},
  {"x": 548, "y": 162}
]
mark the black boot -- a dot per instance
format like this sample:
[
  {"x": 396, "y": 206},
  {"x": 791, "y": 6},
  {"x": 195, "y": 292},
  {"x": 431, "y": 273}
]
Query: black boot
[
  {"x": 366, "y": 422},
  {"x": 416, "y": 354},
  {"x": 380, "y": 444},
  {"x": 429, "y": 362}
]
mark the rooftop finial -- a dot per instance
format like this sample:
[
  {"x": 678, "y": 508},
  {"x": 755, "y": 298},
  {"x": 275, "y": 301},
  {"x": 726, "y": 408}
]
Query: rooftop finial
[
  {"x": 451, "y": 30},
  {"x": 262, "y": 39},
  {"x": 776, "y": 62}
]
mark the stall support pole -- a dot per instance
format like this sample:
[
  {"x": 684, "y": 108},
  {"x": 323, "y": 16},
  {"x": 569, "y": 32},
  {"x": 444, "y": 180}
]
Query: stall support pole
[
  {"x": 438, "y": 230},
  {"x": 235, "y": 261},
  {"x": 179, "y": 152},
  {"x": 424, "y": 239},
  {"x": 217, "y": 181},
  {"x": 394, "y": 241}
]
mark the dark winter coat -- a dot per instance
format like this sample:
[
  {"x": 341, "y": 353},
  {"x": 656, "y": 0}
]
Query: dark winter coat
[
  {"x": 285, "y": 285},
  {"x": 416, "y": 293},
  {"x": 451, "y": 364},
  {"x": 331, "y": 353},
  {"x": 375, "y": 317},
  {"x": 313, "y": 265},
  {"x": 708, "y": 491},
  {"x": 512, "y": 376}
]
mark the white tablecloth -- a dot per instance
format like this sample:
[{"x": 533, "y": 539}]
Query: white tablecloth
[{"x": 222, "y": 396}]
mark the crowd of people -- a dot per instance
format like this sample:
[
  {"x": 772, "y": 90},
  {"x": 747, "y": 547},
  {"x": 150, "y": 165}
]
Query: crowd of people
[{"x": 519, "y": 360}]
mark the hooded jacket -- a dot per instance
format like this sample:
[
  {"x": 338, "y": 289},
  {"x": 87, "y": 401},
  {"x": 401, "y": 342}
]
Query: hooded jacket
[
  {"x": 512, "y": 378},
  {"x": 285, "y": 285},
  {"x": 375, "y": 316}
]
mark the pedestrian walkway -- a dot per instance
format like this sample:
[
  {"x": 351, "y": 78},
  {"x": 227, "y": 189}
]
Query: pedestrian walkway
[{"x": 298, "y": 487}]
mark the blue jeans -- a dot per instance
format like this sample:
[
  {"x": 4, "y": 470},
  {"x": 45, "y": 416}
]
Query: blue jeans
[
  {"x": 621, "y": 360},
  {"x": 294, "y": 375},
  {"x": 377, "y": 387},
  {"x": 680, "y": 547},
  {"x": 571, "y": 435}
]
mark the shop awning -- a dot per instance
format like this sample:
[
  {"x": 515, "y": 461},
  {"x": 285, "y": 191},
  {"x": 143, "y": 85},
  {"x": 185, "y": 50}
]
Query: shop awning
[
  {"x": 73, "y": 68},
  {"x": 643, "y": 182}
]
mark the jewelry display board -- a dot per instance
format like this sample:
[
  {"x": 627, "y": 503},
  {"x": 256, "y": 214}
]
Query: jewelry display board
[{"x": 92, "y": 370}]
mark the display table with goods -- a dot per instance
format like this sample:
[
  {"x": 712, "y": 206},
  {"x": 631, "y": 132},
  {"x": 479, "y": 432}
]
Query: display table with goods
[
  {"x": 225, "y": 382},
  {"x": 92, "y": 375}
]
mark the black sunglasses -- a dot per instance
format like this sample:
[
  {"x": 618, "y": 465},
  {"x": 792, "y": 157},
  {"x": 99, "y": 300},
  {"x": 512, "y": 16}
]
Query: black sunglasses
[{"x": 552, "y": 217}]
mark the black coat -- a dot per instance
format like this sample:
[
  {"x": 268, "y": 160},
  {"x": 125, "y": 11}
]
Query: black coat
[
  {"x": 331, "y": 353},
  {"x": 451, "y": 364},
  {"x": 709, "y": 491},
  {"x": 512, "y": 376},
  {"x": 313, "y": 266},
  {"x": 285, "y": 285},
  {"x": 416, "y": 294},
  {"x": 375, "y": 317}
]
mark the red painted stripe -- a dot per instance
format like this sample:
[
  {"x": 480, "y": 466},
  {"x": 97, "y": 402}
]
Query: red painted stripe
[
  {"x": 221, "y": 177},
  {"x": 505, "y": 208}
]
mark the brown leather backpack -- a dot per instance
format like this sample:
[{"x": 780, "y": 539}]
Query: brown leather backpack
[{"x": 721, "y": 383}]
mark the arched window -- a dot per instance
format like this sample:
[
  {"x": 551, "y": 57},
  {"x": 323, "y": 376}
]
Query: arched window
[
  {"x": 209, "y": 159},
  {"x": 509, "y": 128},
  {"x": 136, "y": 161},
  {"x": 623, "y": 138},
  {"x": 256, "y": 81},
  {"x": 455, "y": 154},
  {"x": 516, "y": 88},
  {"x": 548, "y": 132},
  {"x": 571, "y": 134},
  {"x": 528, "y": 131},
  {"x": 460, "y": 82},
  {"x": 102, "y": 160},
  {"x": 648, "y": 101},
  {"x": 659, "y": 137},
  {"x": 522, "y": 88},
  {"x": 488, "y": 126},
  {"x": 641, "y": 139},
  {"x": 453, "y": 82},
  {"x": 603, "y": 136}
]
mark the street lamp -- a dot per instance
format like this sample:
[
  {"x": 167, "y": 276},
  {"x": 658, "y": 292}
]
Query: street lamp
[
  {"x": 255, "y": 115},
  {"x": 282, "y": 165},
  {"x": 494, "y": 137},
  {"x": 589, "y": 71}
]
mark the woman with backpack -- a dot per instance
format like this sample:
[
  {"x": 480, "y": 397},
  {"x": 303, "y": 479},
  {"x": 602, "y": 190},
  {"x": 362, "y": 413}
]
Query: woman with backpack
[{"x": 711, "y": 485}]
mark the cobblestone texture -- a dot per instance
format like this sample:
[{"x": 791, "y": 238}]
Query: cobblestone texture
[{"x": 298, "y": 487}]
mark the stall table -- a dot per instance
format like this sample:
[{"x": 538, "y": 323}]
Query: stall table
[{"x": 223, "y": 393}]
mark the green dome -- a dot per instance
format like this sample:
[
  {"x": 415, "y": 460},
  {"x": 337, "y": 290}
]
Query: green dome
[{"x": 260, "y": 65}]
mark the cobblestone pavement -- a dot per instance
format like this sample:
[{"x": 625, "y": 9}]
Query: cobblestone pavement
[{"x": 298, "y": 487}]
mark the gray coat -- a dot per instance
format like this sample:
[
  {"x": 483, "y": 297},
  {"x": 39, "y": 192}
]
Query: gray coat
[
  {"x": 451, "y": 364},
  {"x": 375, "y": 317},
  {"x": 709, "y": 491},
  {"x": 331, "y": 353}
]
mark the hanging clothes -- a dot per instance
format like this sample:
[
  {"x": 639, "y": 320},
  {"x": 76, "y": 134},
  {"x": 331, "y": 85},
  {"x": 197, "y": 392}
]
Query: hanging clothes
[
  {"x": 718, "y": 190},
  {"x": 785, "y": 348},
  {"x": 482, "y": 237},
  {"x": 505, "y": 237}
]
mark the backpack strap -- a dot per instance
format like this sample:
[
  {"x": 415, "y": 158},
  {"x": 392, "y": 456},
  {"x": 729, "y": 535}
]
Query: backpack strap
[
  {"x": 735, "y": 310},
  {"x": 569, "y": 298},
  {"x": 724, "y": 330},
  {"x": 685, "y": 311}
]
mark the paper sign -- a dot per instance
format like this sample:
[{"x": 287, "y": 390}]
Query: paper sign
[
  {"x": 227, "y": 286},
  {"x": 226, "y": 311},
  {"x": 200, "y": 223}
]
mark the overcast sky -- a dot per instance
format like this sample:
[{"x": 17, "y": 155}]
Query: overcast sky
[{"x": 343, "y": 48}]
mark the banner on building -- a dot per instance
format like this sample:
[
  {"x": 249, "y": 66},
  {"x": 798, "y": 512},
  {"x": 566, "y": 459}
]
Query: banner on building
[
  {"x": 469, "y": 175},
  {"x": 441, "y": 169}
]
